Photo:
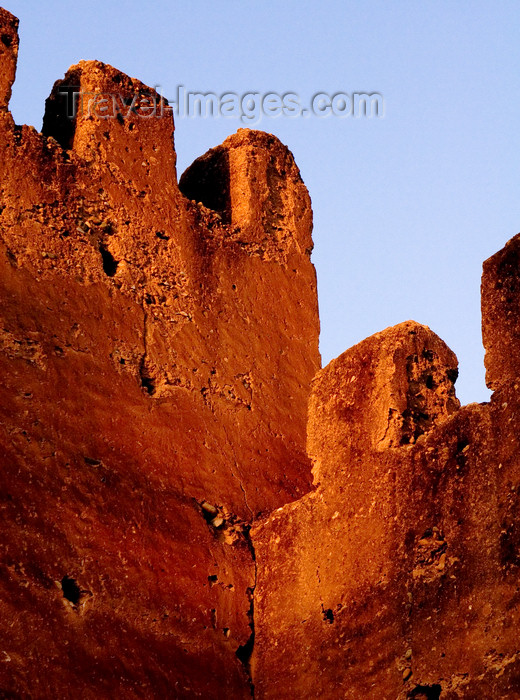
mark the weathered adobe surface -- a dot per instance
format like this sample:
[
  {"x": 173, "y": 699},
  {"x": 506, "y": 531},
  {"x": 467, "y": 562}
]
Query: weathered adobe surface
[
  {"x": 156, "y": 358},
  {"x": 398, "y": 576},
  {"x": 157, "y": 348}
]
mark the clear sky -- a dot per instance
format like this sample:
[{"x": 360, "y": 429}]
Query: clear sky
[{"x": 406, "y": 207}]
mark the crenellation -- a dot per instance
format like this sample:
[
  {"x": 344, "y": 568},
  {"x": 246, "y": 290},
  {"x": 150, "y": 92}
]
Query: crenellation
[
  {"x": 8, "y": 56},
  {"x": 190, "y": 506}
]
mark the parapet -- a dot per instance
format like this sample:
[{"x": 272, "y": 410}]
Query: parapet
[
  {"x": 252, "y": 181},
  {"x": 8, "y": 56},
  {"x": 104, "y": 115},
  {"x": 384, "y": 392},
  {"x": 501, "y": 315}
]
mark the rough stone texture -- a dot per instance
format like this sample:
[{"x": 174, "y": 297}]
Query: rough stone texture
[
  {"x": 8, "y": 56},
  {"x": 387, "y": 391},
  {"x": 501, "y": 315},
  {"x": 398, "y": 576},
  {"x": 163, "y": 535},
  {"x": 155, "y": 373},
  {"x": 257, "y": 190}
]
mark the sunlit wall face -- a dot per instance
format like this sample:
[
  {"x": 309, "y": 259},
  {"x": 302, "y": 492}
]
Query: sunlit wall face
[{"x": 407, "y": 206}]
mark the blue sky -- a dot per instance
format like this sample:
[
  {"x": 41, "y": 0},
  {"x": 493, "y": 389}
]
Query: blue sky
[{"x": 407, "y": 207}]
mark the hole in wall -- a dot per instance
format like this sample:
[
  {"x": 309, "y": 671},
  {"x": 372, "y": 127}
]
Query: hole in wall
[
  {"x": 92, "y": 462},
  {"x": 462, "y": 444},
  {"x": 71, "y": 590},
  {"x": 328, "y": 616},
  {"x": 109, "y": 262},
  {"x": 148, "y": 384},
  {"x": 425, "y": 692}
]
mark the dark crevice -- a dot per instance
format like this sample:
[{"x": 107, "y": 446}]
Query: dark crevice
[
  {"x": 216, "y": 519},
  {"x": 207, "y": 181},
  {"x": 147, "y": 381},
  {"x": 148, "y": 385},
  {"x": 462, "y": 444},
  {"x": 13, "y": 261},
  {"x": 71, "y": 590},
  {"x": 328, "y": 615},
  {"x": 92, "y": 462},
  {"x": 247, "y": 536},
  {"x": 109, "y": 262},
  {"x": 460, "y": 456},
  {"x": 61, "y": 109},
  {"x": 226, "y": 527},
  {"x": 425, "y": 692},
  {"x": 245, "y": 651}
]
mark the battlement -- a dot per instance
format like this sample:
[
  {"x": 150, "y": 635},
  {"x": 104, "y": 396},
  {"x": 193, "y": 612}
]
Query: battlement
[{"x": 191, "y": 506}]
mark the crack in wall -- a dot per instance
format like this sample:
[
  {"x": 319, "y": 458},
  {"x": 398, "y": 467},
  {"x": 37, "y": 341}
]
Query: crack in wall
[
  {"x": 244, "y": 652},
  {"x": 228, "y": 528},
  {"x": 243, "y": 491},
  {"x": 238, "y": 478},
  {"x": 147, "y": 381}
]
